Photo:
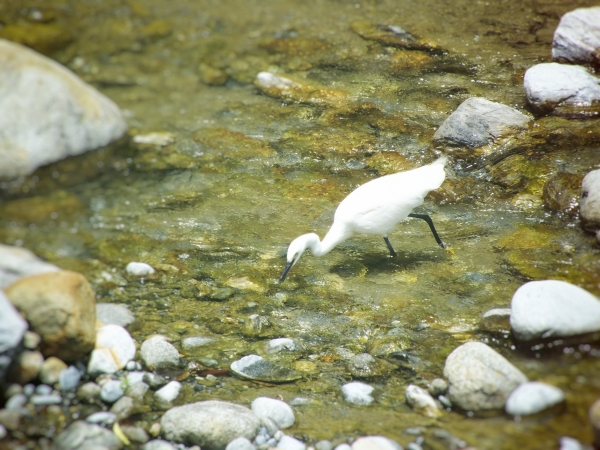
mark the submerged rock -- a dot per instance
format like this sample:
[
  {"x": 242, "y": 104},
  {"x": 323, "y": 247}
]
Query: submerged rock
[
  {"x": 562, "y": 89},
  {"x": 254, "y": 367},
  {"x": 392, "y": 36},
  {"x": 476, "y": 123},
  {"x": 47, "y": 113},
  {"x": 479, "y": 378},
  {"x": 112, "y": 313},
  {"x": 594, "y": 417},
  {"x": 211, "y": 424},
  {"x": 589, "y": 204},
  {"x": 561, "y": 192},
  {"x": 17, "y": 262},
  {"x": 61, "y": 308},
  {"x": 577, "y": 37},
  {"x": 532, "y": 398},
  {"x": 553, "y": 308},
  {"x": 51, "y": 370},
  {"x": 294, "y": 91},
  {"x": 497, "y": 319}
]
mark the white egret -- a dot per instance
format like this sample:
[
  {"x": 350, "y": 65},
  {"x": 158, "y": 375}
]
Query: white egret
[{"x": 375, "y": 207}]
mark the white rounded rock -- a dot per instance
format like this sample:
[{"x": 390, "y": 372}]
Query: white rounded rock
[
  {"x": 421, "y": 401},
  {"x": 114, "y": 349},
  {"x": 279, "y": 412},
  {"x": 139, "y": 269},
  {"x": 168, "y": 392},
  {"x": 240, "y": 443},
  {"x": 552, "y": 85},
  {"x": 358, "y": 393},
  {"x": 577, "y": 37},
  {"x": 375, "y": 443},
  {"x": 553, "y": 308},
  {"x": 290, "y": 443},
  {"x": 532, "y": 398}
]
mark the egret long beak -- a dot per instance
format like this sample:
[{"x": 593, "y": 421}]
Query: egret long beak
[{"x": 288, "y": 266}]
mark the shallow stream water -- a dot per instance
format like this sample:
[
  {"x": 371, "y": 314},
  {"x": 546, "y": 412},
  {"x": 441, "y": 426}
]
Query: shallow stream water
[{"x": 214, "y": 210}]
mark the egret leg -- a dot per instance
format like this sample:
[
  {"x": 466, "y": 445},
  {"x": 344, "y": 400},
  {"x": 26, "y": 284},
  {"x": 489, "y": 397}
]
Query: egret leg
[
  {"x": 427, "y": 219},
  {"x": 389, "y": 246}
]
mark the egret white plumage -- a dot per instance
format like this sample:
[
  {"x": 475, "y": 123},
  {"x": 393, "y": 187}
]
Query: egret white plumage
[{"x": 376, "y": 207}]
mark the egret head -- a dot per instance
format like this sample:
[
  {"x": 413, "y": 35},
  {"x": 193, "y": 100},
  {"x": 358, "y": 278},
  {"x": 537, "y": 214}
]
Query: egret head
[{"x": 295, "y": 251}]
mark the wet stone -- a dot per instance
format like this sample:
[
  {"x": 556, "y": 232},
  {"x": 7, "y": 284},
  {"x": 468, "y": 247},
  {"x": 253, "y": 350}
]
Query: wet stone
[
  {"x": 375, "y": 443},
  {"x": 102, "y": 418},
  {"x": 154, "y": 381},
  {"x": 168, "y": 393},
  {"x": 276, "y": 410},
  {"x": 69, "y": 378},
  {"x": 594, "y": 418},
  {"x": 476, "y": 123},
  {"x": 123, "y": 407},
  {"x": 393, "y": 36},
  {"x": 563, "y": 90},
  {"x": 420, "y": 401},
  {"x": 196, "y": 341},
  {"x": 290, "y": 443},
  {"x": 80, "y": 434},
  {"x": 135, "y": 434},
  {"x": 158, "y": 444},
  {"x": 561, "y": 192},
  {"x": 281, "y": 345},
  {"x": 589, "y": 204},
  {"x": 111, "y": 392},
  {"x": 438, "y": 386},
  {"x": 45, "y": 400},
  {"x": 240, "y": 443},
  {"x": 157, "y": 353},
  {"x": 112, "y": 313},
  {"x": 532, "y": 398},
  {"x": 139, "y": 269},
  {"x": 552, "y": 308},
  {"x": 254, "y": 367},
  {"x": 358, "y": 393},
  {"x": 479, "y": 378},
  {"x": 364, "y": 365},
  {"x": 88, "y": 392},
  {"x": 496, "y": 320},
  {"x": 577, "y": 37},
  {"x": 211, "y": 424},
  {"x": 51, "y": 370}
]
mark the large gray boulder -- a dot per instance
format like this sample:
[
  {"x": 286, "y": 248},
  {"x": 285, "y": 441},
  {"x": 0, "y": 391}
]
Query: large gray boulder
[
  {"x": 478, "y": 122},
  {"x": 589, "y": 203},
  {"x": 47, "y": 113},
  {"x": 553, "y": 308},
  {"x": 577, "y": 37},
  {"x": 561, "y": 88},
  {"x": 210, "y": 424},
  {"x": 480, "y": 378}
]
